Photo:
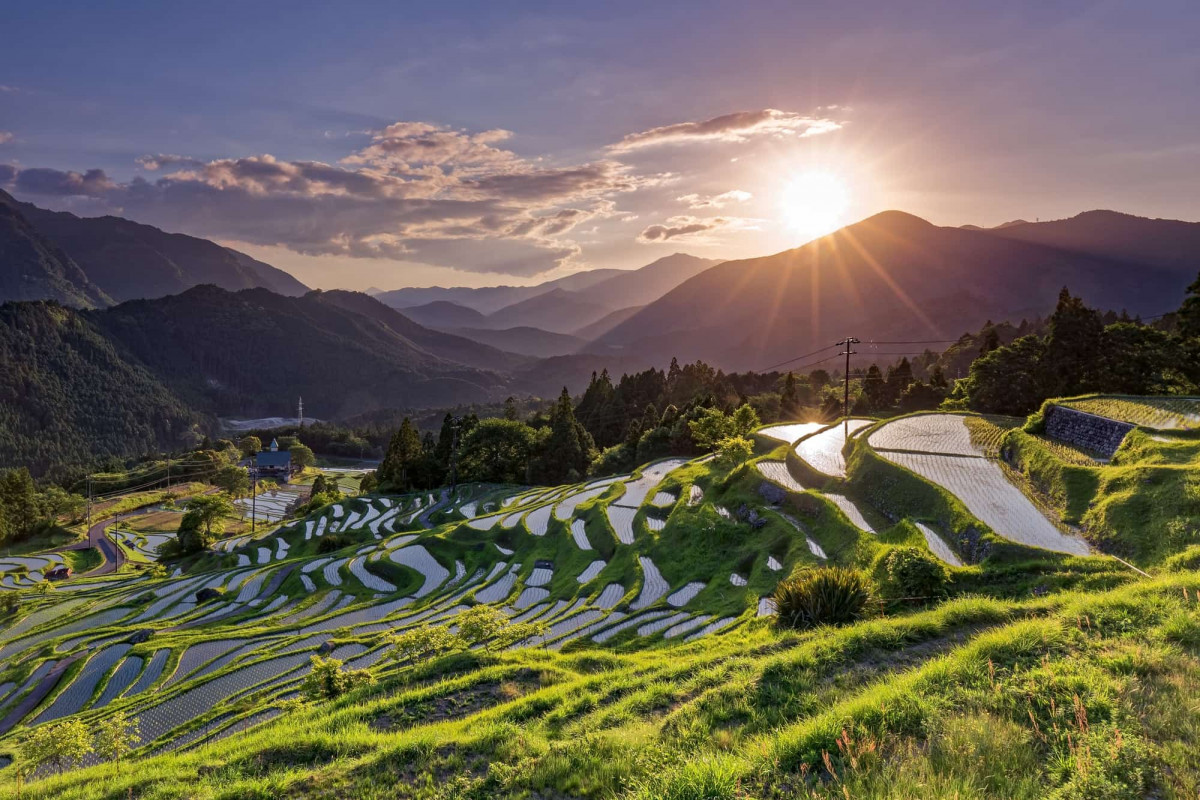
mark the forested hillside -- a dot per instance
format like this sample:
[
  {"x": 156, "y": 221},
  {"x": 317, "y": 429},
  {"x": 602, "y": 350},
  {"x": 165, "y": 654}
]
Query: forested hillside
[{"x": 68, "y": 397}]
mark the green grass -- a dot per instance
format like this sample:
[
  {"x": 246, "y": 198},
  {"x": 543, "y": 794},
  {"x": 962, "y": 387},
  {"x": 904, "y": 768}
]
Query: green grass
[
  {"x": 1150, "y": 412},
  {"x": 1078, "y": 695}
]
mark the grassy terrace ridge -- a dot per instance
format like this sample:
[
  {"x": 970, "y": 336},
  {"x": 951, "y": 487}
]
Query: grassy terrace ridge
[
  {"x": 1076, "y": 695},
  {"x": 1034, "y": 674}
]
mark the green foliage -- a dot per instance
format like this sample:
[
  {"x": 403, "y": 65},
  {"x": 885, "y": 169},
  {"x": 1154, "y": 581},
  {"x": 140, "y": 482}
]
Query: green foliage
[
  {"x": 1079, "y": 354},
  {"x": 424, "y": 642},
  {"x": 733, "y": 451},
  {"x": 403, "y": 457},
  {"x": 202, "y": 522},
  {"x": 497, "y": 451},
  {"x": 57, "y": 744},
  {"x": 328, "y": 680},
  {"x": 910, "y": 573},
  {"x": 823, "y": 596},
  {"x": 115, "y": 736},
  {"x": 233, "y": 480},
  {"x": 250, "y": 446},
  {"x": 302, "y": 456},
  {"x": 368, "y": 484}
]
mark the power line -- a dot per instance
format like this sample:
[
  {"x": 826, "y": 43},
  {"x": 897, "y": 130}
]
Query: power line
[{"x": 797, "y": 358}]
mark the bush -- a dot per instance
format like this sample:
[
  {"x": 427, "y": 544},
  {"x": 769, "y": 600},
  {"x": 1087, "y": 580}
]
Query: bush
[
  {"x": 910, "y": 573},
  {"x": 332, "y": 542},
  {"x": 825, "y": 596}
]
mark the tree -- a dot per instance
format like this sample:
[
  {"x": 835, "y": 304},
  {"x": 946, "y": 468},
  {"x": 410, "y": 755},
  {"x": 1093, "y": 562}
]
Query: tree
[
  {"x": 569, "y": 448},
  {"x": 203, "y": 520},
  {"x": 1189, "y": 312},
  {"x": 479, "y": 625},
  {"x": 302, "y": 456},
  {"x": 250, "y": 446},
  {"x": 1073, "y": 360},
  {"x": 320, "y": 484},
  {"x": 510, "y": 408},
  {"x": 115, "y": 736},
  {"x": 234, "y": 481},
  {"x": 497, "y": 451},
  {"x": 327, "y": 680},
  {"x": 403, "y": 453},
  {"x": 58, "y": 744},
  {"x": 789, "y": 395},
  {"x": 733, "y": 451},
  {"x": 1008, "y": 379},
  {"x": 424, "y": 642},
  {"x": 709, "y": 428},
  {"x": 369, "y": 483},
  {"x": 57, "y": 502},
  {"x": 745, "y": 420}
]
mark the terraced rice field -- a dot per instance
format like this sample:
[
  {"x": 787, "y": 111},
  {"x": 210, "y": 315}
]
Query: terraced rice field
[
  {"x": 792, "y": 433},
  {"x": 927, "y": 433},
  {"x": 989, "y": 495},
  {"x": 823, "y": 451},
  {"x": 1163, "y": 413},
  {"x": 777, "y": 472}
]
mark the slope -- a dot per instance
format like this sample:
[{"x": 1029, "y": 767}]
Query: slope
[
  {"x": 891, "y": 277},
  {"x": 444, "y": 314},
  {"x": 1164, "y": 243},
  {"x": 558, "y": 311},
  {"x": 640, "y": 286},
  {"x": 33, "y": 268},
  {"x": 67, "y": 397},
  {"x": 253, "y": 352},
  {"x": 488, "y": 299},
  {"x": 130, "y": 260},
  {"x": 482, "y": 354},
  {"x": 527, "y": 341}
]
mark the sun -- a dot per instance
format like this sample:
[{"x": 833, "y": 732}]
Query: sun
[{"x": 815, "y": 203}]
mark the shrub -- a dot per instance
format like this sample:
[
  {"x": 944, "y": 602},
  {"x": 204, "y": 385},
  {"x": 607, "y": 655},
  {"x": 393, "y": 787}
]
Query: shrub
[
  {"x": 910, "y": 573},
  {"x": 331, "y": 543},
  {"x": 826, "y": 596}
]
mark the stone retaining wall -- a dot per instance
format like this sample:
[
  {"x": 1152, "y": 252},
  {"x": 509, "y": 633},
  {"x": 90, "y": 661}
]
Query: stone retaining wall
[{"x": 1089, "y": 432}]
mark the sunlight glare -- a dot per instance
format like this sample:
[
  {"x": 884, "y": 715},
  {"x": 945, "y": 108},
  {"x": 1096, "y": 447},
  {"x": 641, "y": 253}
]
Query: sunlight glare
[{"x": 815, "y": 203}]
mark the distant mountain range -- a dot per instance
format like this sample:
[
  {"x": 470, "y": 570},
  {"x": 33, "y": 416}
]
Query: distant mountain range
[
  {"x": 90, "y": 375},
  {"x": 896, "y": 278},
  {"x": 90, "y": 262},
  {"x": 582, "y": 306}
]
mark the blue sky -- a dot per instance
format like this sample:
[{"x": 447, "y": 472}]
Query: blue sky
[{"x": 476, "y": 143}]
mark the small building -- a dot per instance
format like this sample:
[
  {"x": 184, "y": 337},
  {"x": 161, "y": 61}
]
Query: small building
[
  {"x": 274, "y": 463},
  {"x": 58, "y": 573}
]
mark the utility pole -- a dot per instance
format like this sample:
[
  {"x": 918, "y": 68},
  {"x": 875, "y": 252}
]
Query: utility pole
[
  {"x": 300, "y": 412},
  {"x": 849, "y": 343},
  {"x": 168, "y": 473},
  {"x": 253, "y": 495},
  {"x": 89, "y": 504},
  {"x": 455, "y": 423}
]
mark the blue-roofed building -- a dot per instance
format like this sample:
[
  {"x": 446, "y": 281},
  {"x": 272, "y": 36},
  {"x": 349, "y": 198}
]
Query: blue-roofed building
[{"x": 274, "y": 463}]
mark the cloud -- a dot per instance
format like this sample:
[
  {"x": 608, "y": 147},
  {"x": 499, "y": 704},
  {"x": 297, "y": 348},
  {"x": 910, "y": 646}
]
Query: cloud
[
  {"x": 415, "y": 192},
  {"x": 694, "y": 229},
  {"x": 737, "y": 127},
  {"x": 6, "y": 137},
  {"x": 715, "y": 200}
]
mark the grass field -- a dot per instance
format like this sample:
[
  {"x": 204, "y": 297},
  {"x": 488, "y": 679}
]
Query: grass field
[
  {"x": 1164, "y": 413},
  {"x": 1039, "y": 674}
]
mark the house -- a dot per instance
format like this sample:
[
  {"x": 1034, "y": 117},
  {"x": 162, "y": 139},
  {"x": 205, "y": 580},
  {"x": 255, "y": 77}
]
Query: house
[
  {"x": 274, "y": 463},
  {"x": 58, "y": 573}
]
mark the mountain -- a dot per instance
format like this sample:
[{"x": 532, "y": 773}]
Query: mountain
[
  {"x": 69, "y": 397},
  {"x": 492, "y": 298},
  {"x": 606, "y": 323},
  {"x": 441, "y": 344},
  {"x": 128, "y": 260},
  {"x": 640, "y": 286},
  {"x": 525, "y": 340},
  {"x": 558, "y": 311},
  {"x": 1164, "y": 243},
  {"x": 253, "y": 352},
  {"x": 34, "y": 268},
  {"x": 444, "y": 314},
  {"x": 892, "y": 277}
]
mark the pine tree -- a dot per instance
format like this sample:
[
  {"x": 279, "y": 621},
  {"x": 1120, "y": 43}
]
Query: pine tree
[
  {"x": 404, "y": 450},
  {"x": 788, "y": 397}
]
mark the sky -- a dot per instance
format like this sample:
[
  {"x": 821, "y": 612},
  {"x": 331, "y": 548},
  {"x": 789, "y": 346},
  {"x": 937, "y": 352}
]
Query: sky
[{"x": 399, "y": 144}]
